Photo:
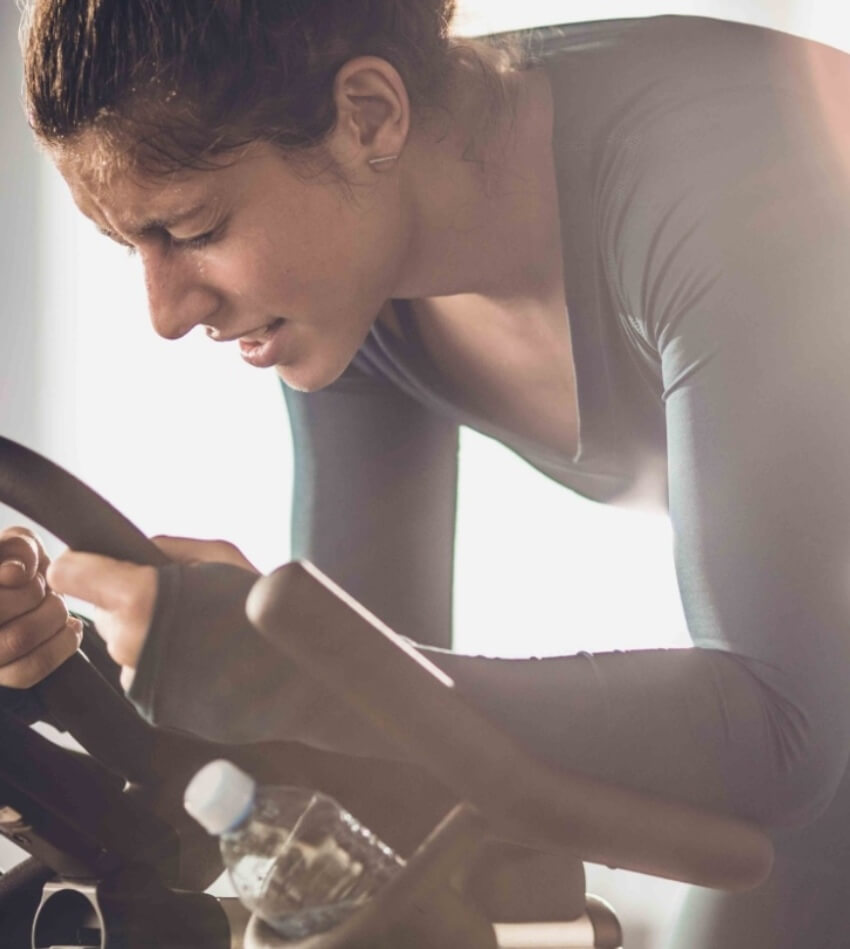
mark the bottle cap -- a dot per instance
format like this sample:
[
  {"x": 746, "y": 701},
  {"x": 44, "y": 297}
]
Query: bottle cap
[{"x": 220, "y": 796}]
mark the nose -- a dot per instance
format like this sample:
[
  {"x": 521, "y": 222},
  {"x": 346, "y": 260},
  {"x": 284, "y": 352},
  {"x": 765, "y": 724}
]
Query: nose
[{"x": 179, "y": 299}]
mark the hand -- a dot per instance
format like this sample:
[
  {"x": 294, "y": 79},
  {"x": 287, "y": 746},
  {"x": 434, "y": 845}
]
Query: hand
[
  {"x": 124, "y": 594},
  {"x": 36, "y": 632}
]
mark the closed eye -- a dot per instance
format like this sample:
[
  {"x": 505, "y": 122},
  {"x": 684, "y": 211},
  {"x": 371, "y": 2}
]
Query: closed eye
[
  {"x": 193, "y": 243},
  {"x": 188, "y": 243}
]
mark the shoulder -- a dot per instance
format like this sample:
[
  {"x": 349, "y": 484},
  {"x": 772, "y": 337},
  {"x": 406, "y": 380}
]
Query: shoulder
[
  {"x": 722, "y": 175},
  {"x": 640, "y": 80}
]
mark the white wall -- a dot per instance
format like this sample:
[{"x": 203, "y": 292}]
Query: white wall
[{"x": 20, "y": 302}]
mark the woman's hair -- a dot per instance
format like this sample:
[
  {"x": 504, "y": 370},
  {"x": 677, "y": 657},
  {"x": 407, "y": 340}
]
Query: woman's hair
[{"x": 176, "y": 83}]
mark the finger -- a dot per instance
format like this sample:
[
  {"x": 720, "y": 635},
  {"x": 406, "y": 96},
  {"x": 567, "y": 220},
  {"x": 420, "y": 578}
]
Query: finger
[
  {"x": 19, "y": 557},
  {"x": 107, "y": 583},
  {"x": 32, "y": 538},
  {"x": 16, "y": 602},
  {"x": 192, "y": 550},
  {"x": 28, "y": 632},
  {"x": 41, "y": 661}
]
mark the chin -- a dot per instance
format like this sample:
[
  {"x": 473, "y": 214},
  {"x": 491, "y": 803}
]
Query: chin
[{"x": 305, "y": 378}]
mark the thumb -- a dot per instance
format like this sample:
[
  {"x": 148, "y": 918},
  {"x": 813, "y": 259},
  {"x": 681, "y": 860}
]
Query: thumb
[{"x": 106, "y": 583}]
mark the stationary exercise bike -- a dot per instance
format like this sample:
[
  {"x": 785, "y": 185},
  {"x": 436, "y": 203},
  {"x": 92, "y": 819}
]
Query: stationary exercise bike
[{"x": 493, "y": 838}]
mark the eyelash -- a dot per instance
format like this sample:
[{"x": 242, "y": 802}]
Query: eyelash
[{"x": 194, "y": 243}]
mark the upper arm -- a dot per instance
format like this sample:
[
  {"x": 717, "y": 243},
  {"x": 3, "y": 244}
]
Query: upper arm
[
  {"x": 744, "y": 291},
  {"x": 374, "y": 500}
]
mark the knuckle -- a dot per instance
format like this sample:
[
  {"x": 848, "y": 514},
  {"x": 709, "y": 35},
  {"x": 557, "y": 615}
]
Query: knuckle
[
  {"x": 33, "y": 593},
  {"x": 35, "y": 667},
  {"x": 13, "y": 677},
  {"x": 15, "y": 602},
  {"x": 23, "y": 635},
  {"x": 50, "y": 655},
  {"x": 18, "y": 547},
  {"x": 15, "y": 642},
  {"x": 55, "y": 610},
  {"x": 18, "y": 533},
  {"x": 24, "y": 673},
  {"x": 33, "y": 670}
]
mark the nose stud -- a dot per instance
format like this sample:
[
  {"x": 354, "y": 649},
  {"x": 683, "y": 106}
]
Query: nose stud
[{"x": 212, "y": 332}]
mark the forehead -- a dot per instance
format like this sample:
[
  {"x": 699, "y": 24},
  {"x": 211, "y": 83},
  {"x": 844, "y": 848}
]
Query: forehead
[{"x": 109, "y": 188}]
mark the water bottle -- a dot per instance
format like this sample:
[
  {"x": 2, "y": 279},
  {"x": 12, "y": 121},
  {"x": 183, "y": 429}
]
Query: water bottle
[{"x": 296, "y": 858}]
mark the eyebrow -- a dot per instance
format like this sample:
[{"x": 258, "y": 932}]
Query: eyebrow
[{"x": 151, "y": 225}]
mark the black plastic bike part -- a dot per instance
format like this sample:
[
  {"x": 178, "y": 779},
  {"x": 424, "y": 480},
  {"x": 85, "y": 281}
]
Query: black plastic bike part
[
  {"x": 68, "y": 508},
  {"x": 127, "y": 914},
  {"x": 20, "y": 894},
  {"x": 72, "y": 815}
]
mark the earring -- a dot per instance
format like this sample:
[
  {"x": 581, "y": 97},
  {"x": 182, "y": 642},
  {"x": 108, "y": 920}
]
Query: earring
[{"x": 382, "y": 159}]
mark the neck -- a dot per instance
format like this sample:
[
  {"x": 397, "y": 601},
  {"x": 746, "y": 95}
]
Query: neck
[{"x": 487, "y": 227}]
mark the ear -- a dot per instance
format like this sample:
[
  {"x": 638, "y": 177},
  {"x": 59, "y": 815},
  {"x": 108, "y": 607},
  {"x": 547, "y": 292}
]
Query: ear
[{"x": 373, "y": 112}]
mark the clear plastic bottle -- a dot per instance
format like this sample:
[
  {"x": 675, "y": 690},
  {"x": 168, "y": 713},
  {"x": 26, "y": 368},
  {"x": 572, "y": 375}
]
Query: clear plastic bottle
[{"x": 295, "y": 857}]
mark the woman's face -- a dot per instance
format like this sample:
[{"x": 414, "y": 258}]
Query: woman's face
[{"x": 294, "y": 268}]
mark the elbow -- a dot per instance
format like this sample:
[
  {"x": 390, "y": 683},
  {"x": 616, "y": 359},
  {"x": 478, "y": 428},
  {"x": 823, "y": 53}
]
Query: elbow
[
  {"x": 787, "y": 747},
  {"x": 800, "y": 785}
]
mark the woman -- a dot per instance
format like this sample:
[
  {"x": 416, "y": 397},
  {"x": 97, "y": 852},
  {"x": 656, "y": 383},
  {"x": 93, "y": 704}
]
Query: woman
[{"x": 399, "y": 224}]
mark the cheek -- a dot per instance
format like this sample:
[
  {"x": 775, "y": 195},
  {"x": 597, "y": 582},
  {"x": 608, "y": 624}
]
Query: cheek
[
  {"x": 253, "y": 273},
  {"x": 340, "y": 258}
]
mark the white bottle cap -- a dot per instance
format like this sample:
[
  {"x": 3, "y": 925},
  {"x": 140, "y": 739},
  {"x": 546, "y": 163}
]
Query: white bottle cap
[{"x": 219, "y": 796}]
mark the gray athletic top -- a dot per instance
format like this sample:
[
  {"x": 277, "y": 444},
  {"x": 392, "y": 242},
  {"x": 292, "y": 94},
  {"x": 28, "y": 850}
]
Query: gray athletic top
[{"x": 703, "y": 189}]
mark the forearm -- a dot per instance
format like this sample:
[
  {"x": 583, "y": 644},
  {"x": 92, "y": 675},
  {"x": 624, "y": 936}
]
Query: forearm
[
  {"x": 695, "y": 725},
  {"x": 690, "y": 724}
]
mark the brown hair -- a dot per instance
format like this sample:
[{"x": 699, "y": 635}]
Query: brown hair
[{"x": 179, "y": 81}]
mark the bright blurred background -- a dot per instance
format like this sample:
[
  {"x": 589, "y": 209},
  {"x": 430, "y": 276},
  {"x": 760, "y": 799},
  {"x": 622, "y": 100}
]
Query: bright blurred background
[{"x": 187, "y": 440}]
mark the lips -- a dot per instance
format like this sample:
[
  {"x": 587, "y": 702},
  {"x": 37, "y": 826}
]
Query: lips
[
  {"x": 261, "y": 334},
  {"x": 263, "y": 348}
]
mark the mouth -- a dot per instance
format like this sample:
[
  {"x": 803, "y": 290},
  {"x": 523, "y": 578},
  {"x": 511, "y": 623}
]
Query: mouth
[
  {"x": 258, "y": 335},
  {"x": 262, "y": 347}
]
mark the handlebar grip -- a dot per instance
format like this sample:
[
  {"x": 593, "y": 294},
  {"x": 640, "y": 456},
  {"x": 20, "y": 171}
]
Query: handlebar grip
[{"x": 70, "y": 509}]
